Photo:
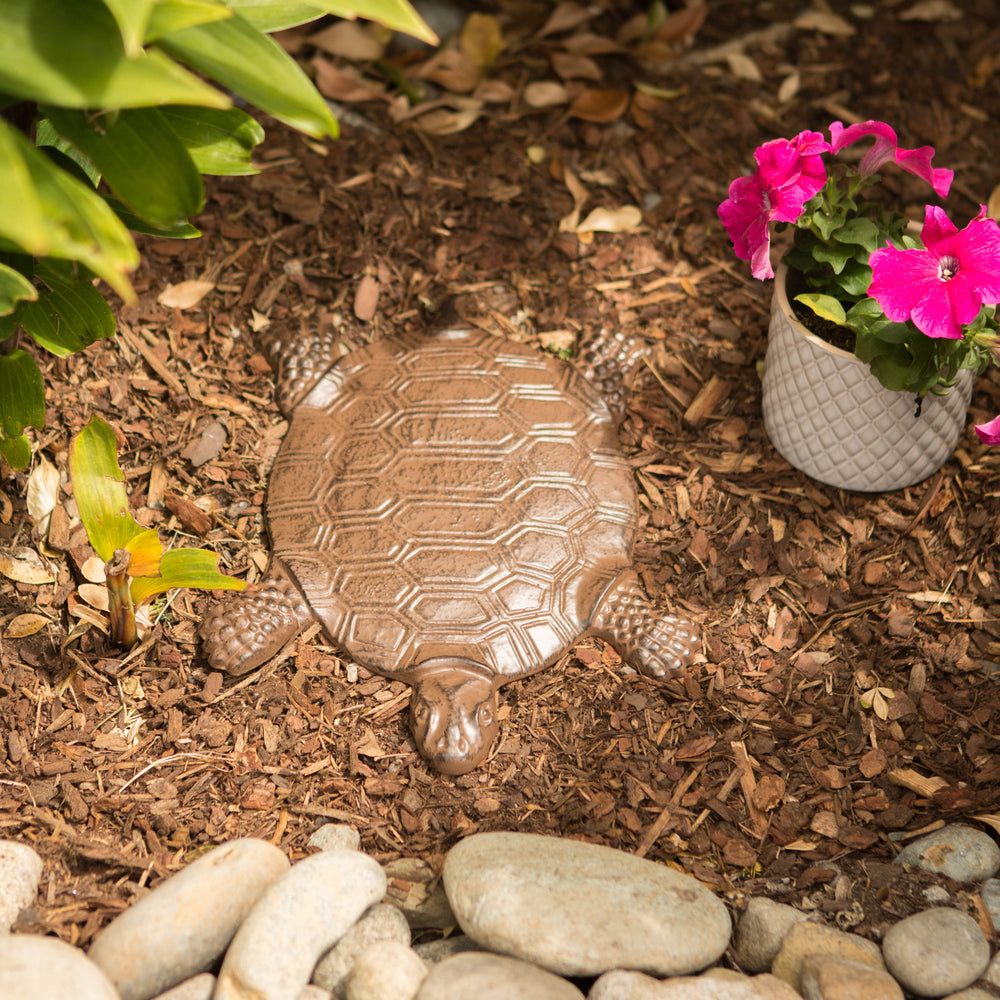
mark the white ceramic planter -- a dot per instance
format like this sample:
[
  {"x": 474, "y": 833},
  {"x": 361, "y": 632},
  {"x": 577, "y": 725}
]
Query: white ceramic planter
[{"x": 829, "y": 416}]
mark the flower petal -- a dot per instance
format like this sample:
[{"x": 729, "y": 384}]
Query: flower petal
[
  {"x": 989, "y": 433},
  {"x": 881, "y": 152},
  {"x": 906, "y": 284},
  {"x": 918, "y": 163},
  {"x": 745, "y": 216}
]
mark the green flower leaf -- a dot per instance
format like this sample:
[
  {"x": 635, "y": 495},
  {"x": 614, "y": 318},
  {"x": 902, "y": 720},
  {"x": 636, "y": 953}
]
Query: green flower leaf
[
  {"x": 71, "y": 53},
  {"x": 17, "y": 451},
  {"x": 833, "y": 255},
  {"x": 219, "y": 142},
  {"x": 173, "y": 15},
  {"x": 99, "y": 489},
  {"x": 275, "y": 15},
  {"x": 22, "y": 395},
  {"x": 139, "y": 158},
  {"x": 14, "y": 288},
  {"x": 859, "y": 232},
  {"x": 132, "y": 17},
  {"x": 184, "y": 568},
  {"x": 254, "y": 66},
  {"x": 825, "y": 306}
]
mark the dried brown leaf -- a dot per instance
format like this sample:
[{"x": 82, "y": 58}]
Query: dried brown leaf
[
  {"x": 366, "y": 298},
  {"x": 574, "y": 67},
  {"x": 24, "y": 565},
  {"x": 452, "y": 70},
  {"x": 545, "y": 94},
  {"x": 600, "y": 106},
  {"x": 481, "y": 39},
  {"x": 566, "y": 17},
  {"x": 185, "y": 294},
  {"x": 355, "y": 40},
  {"x": 24, "y": 625}
]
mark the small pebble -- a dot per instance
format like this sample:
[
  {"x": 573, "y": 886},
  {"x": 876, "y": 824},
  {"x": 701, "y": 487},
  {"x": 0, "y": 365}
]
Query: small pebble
[
  {"x": 580, "y": 909},
  {"x": 992, "y": 973},
  {"x": 192, "y": 917},
  {"x": 936, "y": 895},
  {"x": 20, "y": 872},
  {"x": 810, "y": 938},
  {"x": 45, "y": 968},
  {"x": 386, "y": 970},
  {"x": 335, "y": 837},
  {"x": 200, "y": 987},
  {"x": 960, "y": 852},
  {"x": 433, "y": 952},
  {"x": 299, "y": 917},
  {"x": 936, "y": 952},
  {"x": 972, "y": 993},
  {"x": 761, "y": 929},
  {"x": 824, "y": 977},
  {"x": 311, "y": 992},
  {"x": 383, "y": 922},
  {"x": 622, "y": 984},
  {"x": 477, "y": 975},
  {"x": 989, "y": 892}
]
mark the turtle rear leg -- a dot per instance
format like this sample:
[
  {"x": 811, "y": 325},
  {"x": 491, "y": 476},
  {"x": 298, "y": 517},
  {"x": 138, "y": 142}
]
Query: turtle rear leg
[
  {"x": 658, "y": 644},
  {"x": 248, "y": 628},
  {"x": 300, "y": 361},
  {"x": 606, "y": 360}
]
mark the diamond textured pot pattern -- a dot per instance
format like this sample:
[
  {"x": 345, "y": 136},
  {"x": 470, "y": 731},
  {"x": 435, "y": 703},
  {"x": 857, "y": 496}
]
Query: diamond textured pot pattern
[{"x": 828, "y": 416}]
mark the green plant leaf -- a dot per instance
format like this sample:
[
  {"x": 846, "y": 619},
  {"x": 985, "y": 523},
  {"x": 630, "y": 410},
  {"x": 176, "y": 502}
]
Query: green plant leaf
[
  {"x": 184, "y": 568},
  {"x": 182, "y": 230},
  {"x": 71, "y": 53},
  {"x": 219, "y": 142},
  {"x": 139, "y": 158},
  {"x": 833, "y": 255},
  {"x": 275, "y": 15},
  {"x": 17, "y": 450},
  {"x": 173, "y": 15},
  {"x": 47, "y": 136},
  {"x": 22, "y": 394},
  {"x": 859, "y": 232},
  {"x": 99, "y": 489},
  {"x": 254, "y": 66},
  {"x": 69, "y": 315},
  {"x": 58, "y": 215},
  {"x": 132, "y": 17},
  {"x": 14, "y": 288},
  {"x": 825, "y": 306}
]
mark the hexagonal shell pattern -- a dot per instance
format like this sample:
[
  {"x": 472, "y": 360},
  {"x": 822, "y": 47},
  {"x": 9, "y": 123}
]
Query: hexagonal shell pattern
[{"x": 455, "y": 494}]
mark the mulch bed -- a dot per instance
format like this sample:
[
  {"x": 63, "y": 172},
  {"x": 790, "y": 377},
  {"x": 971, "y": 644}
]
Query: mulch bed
[{"x": 848, "y": 698}]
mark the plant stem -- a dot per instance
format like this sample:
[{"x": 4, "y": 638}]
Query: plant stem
[{"x": 120, "y": 599}]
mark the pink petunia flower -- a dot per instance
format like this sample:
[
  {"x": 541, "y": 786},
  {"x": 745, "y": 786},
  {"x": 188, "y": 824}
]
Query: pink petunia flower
[
  {"x": 914, "y": 161},
  {"x": 989, "y": 433},
  {"x": 943, "y": 286},
  {"x": 789, "y": 173}
]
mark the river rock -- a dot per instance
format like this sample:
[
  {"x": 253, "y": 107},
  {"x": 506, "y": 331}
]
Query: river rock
[
  {"x": 386, "y": 970},
  {"x": 299, "y": 917},
  {"x": 761, "y": 929},
  {"x": 335, "y": 837},
  {"x": 580, "y": 909},
  {"x": 824, "y": 977},
  {"x": 433, "y": 952},
  {"x": 477, "y": 975},
  {"x": 383, "y": 922},
  {"x": 623, "y": 984},
  {"x": 961, "y": 852},
  {"x": 992, "y": 973},
  {"x": 20, "y": 872},
  {"x": 936, "y": 952},
  {"x": 44, "y": 968},
  {"x": 989, "y": 892},
  {"x": 200, "y": 987},
  {"x": 810, "y": 938},
  {"x": 191, "y": 917}
]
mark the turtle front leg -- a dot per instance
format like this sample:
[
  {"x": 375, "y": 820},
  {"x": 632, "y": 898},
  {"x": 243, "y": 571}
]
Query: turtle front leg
[
  {"x": 300, "y": 362},
  {"x": 250, "y": 627},
  {"x": 607, "y": 359},
  {"x": 658, "y": 644}
]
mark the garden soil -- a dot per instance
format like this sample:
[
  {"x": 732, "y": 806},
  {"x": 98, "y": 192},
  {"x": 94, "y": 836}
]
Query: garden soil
[{"x": 848, "y": 698}]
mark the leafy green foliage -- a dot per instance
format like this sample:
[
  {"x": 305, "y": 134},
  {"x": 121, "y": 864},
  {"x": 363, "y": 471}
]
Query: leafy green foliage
[
  {"x": 110, "y": 112},
  {"x": 137, "y": 567}
]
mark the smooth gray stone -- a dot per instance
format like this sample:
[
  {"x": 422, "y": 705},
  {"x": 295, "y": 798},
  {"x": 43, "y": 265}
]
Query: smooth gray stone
[
  {"x": 386, "y": 970},
  {"x": 827, "y": 978},
  {"x": 383, "y": 922},
  {"x": 299, "y": 917},
  {"x": 580, "y": 909},
  {"x": 992, "y": 973},
  {"x": 200, "y": 987},
  {"x": 972, "y": 993},
  {"x": 809, "y": 939},
  {"x": 437, "y": 951},
  {"x": 44, "y": 968},
  {"x": 989, "y": 893},
  {"x": 760, "y": 930},
  {"x": 936, "y": 952},
  {"x": 961, "y": 852},
  {"x": 184, "y": 925},
  {"x": 622, "y": 984},
  {"x": 478, "y": 975},
  {"x": 335, "y": 837},
  {"x": 20, "y": 873}
]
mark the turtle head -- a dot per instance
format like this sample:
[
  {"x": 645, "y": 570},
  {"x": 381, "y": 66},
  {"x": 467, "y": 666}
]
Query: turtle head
[{"x": 453, "y": 712}]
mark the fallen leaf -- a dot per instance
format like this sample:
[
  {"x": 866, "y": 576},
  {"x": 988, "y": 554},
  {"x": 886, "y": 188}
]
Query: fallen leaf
[
  {"x": 344, "y": 84},
  {"x": 208, "y": 446},
  {"x": 611, "y": 220},
  {"x": 681, "y": 26},
  {"x": 94, "y": 594},
  {"x": 932, "y": 10},
  {"x": 24, "y": 565},
  {"x": 574, "y": 67},
  {"x": 743, "y": 67},
  {"x": 359, "y": 42},
  {"x": 42, "y": 494},
  {"x": 545, "y": 94},
  {"x": 25, "y": 625},
  {"x": 93, "y": 570},
  {"x": 789, "y": 87},
  {"x": 493, "y": 92},
  {"x": 824, "y": 21},
  {"x": 993, "y": 206},
  {"x": 600, "y": 106},
  {"x": 366, "y": 298},
  {"x": 185, "y": 294},
  {"x": 566, "y": 17},
  {"x": 452, "y": 70},
  {"x": 481, "y": 39}
]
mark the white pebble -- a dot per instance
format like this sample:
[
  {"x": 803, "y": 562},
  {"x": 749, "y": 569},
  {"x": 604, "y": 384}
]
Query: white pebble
[
  {"x": 335, "y": 837},
  {"x": 476, "y": 975},
  {"x": 200, "y": 987},
  {"x": 20, "y": 872},
  {"x": 45, "y": 968},
  {"x": 383, "y": 922},
  {"x": 386, "y": 970},
  {"x": 302, "y": 915}
]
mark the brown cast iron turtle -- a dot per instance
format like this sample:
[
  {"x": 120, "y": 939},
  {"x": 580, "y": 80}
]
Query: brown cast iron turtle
[{"x": 455, "y": 510}]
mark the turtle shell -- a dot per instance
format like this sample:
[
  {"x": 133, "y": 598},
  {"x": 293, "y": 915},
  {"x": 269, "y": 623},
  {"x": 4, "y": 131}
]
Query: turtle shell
[{"x": 452, "y": 495}]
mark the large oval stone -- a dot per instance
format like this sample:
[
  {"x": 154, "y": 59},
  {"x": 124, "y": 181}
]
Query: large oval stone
[
  {"x": 580, "y": 909},
  {"x": 45, "y": 968},
  {"x": 474, "y": 975}
]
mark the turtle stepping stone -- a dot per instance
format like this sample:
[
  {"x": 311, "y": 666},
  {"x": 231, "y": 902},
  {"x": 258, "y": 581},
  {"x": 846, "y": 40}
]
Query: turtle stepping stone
[{"x": 456, "y": 511}]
